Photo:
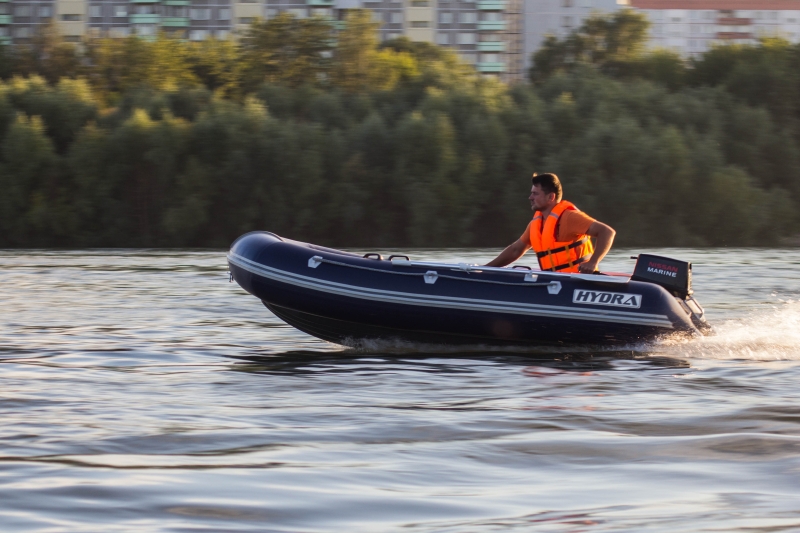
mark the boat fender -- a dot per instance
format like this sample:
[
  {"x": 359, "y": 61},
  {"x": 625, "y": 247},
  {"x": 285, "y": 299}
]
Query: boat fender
[
  {"x": 430, "y": 277},
  {"x": 314, "y": 261}
]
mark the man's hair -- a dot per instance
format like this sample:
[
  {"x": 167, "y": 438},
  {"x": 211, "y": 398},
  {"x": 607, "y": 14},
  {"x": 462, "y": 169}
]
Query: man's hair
[{"x": 549, "y": 183}]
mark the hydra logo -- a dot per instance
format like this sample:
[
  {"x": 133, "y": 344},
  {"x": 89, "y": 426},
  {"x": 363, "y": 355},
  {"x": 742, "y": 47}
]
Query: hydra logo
[{"x": 617, "y": 299}]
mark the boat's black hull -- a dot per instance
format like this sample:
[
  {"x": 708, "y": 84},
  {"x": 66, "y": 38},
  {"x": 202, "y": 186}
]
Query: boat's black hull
[{"x": 344, "y": 298}]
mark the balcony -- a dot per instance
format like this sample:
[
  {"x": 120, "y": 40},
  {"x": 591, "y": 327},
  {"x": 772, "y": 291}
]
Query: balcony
[
  {"x": 491, "y": 25},
  {"x": 177, "y": 2},
  {"x": 144, "y": 19},
  {"x": 491, "y": 5},
  {"x": 734, "y": 21},
  {"x": 733, "y": 35},
  {"x": 5, "y": 40},
  {"x": 5, "y": 19},
  {"x": 321, "y": 3},
  {"x": 494, "y": 46},
  {"x": 175, "y": 22},
  {"x": 491, "y": 67},
  {"x": 145, "y": 1}
]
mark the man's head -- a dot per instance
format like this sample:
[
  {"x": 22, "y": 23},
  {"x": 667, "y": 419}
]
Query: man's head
[{"x": 545, "y": 191}]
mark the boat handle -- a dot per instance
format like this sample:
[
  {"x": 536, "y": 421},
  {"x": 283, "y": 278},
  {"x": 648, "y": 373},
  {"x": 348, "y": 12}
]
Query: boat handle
[
  {"x": 379, "y": 257},
  {"x": 398, "y": 256},
  {"x": 525, "y": 267}
]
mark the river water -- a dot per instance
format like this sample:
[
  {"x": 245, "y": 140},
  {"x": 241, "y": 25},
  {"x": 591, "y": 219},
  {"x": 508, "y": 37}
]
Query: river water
[{"x": 140, "y": 391}]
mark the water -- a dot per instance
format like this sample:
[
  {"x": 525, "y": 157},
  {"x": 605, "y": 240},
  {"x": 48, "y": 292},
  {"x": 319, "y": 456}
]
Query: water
[{"x": 140, "y": 391}]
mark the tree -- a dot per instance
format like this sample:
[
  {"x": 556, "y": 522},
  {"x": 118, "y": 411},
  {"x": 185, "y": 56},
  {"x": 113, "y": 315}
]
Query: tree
[
  {"x": 285, "y": 50},
  {"x": 608, "y": 42}
]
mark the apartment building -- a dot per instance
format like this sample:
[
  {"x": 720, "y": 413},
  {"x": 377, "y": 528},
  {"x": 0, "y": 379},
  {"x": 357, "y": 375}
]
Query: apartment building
[
  {"x": 691, "y": 27},
  {"x": 487, "y": 33}
]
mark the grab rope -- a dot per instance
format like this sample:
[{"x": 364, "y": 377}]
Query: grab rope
[{"x": 316, "y": 260}]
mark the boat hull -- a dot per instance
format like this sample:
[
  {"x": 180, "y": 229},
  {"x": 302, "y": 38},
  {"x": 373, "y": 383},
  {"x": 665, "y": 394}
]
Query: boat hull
[{"x": 346, "y": 299}]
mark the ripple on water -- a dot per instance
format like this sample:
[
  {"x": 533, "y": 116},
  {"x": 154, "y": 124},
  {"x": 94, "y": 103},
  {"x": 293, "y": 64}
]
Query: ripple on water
[{"x": 142, "y": 391}]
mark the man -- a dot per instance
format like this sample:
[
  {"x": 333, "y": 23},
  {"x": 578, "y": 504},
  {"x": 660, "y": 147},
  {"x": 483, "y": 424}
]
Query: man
[{"x": 559, "y": 233}]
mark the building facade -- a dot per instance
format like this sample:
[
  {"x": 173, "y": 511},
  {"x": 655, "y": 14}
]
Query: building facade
[
  {"x": 691, "y": 27},
  {"x": 487, "y": 33}
]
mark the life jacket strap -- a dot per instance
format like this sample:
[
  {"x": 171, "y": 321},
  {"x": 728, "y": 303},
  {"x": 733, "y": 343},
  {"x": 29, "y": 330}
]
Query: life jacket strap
[
  {"x": 563, "y": 248},
  {"x": 568, "y": 265}
]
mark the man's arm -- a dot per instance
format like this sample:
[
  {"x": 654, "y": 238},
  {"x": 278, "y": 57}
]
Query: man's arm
[
  {"x": 605, "y": 238},
  {"x": 512, "y": 252}
]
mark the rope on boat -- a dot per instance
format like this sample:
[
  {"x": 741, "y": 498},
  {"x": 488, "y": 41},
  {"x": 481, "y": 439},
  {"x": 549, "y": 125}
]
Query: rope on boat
[{"x": 319, "y": 259}]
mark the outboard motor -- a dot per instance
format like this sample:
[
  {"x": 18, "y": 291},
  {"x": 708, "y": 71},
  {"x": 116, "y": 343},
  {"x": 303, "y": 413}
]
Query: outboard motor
[{"x": 676, "y": 277}]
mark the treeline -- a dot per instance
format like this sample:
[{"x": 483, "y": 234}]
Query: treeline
[{"x": 330, "y": 137}]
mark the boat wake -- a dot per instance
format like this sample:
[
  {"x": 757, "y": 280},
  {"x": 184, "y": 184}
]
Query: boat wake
[{"x": 764, "y": 335}]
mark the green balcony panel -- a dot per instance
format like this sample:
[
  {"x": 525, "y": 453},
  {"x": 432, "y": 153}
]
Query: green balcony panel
[
  {"x": 494, "y": 46},
  {"x": 175, "y": 22},
  {"x": 5, "y": 19},
  {"x": 177, "y": 2},
  {"x": 144, "y": 19},
  {"x": 325, "y": 3},
  {"x": 491, "y": 25},
  {"x": 491, "y": 5},
  {"x": 491, "y": 67},
  {"x": 5, "y": 40}
]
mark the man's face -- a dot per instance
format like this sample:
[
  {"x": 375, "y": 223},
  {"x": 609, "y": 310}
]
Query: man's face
[{"x": 541, "y": 200}]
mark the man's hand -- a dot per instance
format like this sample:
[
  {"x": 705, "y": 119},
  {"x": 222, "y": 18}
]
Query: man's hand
[{"x": 589, "y": 267}]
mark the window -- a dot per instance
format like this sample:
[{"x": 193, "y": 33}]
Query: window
[
  {"x": 490, "y": 58},
  {"x": 144, "y": 29},
  {"x": 119, "y": 32},
  {"x": 297, "y": 13},
  {"x": 446, "y": 18},
  {"x": 397, "y": 18},
  {"x": 443, "y": 38},
  {"x": 45, "y": 11},
  {"x": 566, "y": 22},
  {"x": 567, "y": 3},
  {"x": 22, "y": 11},
  {"x": 469, "y": 58},
  {"x": 4, "y": 9},
  {"x": 145, "y": 9},
  {"x": 222, "y": 34},
  {"x": 96, "y": 11},
  {"x": 22, "y": 32},
  {"x": 420, "y": 24},
  {"x": 3, "y": 31},
  {"x": 198, "y": 35},
  {"x": 177, "y": 11},
  {"x": 200, "y": 13},
  {"x": 70, "y": 18},
  {"x": 466, "y": 38},
  {"x": 467, "y": 17},
  {"x": 492, "y": 15},
  {"x": 120, "y": 11},
  {"x": 377, "y": 16},
  {"x": 419, "y": 3},
  {"x": 246, "y": 20}
]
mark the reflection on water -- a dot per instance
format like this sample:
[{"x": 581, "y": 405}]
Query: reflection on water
[{"x": 139, "y": 390}]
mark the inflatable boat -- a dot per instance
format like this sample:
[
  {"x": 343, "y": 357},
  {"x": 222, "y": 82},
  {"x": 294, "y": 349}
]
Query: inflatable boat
[{"x": 344, "y": 298}]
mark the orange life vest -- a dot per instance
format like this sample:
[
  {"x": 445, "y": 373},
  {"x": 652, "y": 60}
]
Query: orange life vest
[{"x": 553, "y": 255}]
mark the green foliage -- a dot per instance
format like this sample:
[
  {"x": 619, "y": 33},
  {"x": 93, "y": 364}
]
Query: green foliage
[
  {"x": 608, "y": 42},
  {"x": 330, "y": 137}
]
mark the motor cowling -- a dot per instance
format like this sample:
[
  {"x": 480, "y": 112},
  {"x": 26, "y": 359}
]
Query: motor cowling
[{"x": 672, "y": 274}]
